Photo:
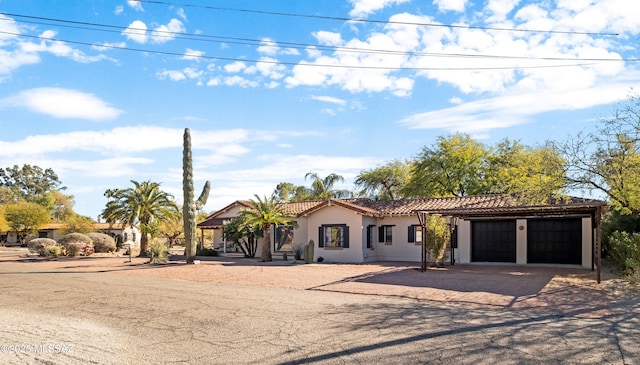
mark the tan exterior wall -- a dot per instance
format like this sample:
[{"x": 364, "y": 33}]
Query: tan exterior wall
[
  {"x": 463, "y": 253},
  {"x": 400, "y": 249},
  {"x": 337, "y": 215},
  {"x": 587, "y": 237},
  {"x": 521, "y": 241},
  {"x": 370, "y": 254}
]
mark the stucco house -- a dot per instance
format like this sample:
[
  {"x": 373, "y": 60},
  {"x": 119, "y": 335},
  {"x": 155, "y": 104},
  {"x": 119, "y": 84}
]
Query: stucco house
[{"x": 486, "y": 229}]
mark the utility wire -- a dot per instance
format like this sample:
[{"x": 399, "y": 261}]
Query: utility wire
[
  {"x": 268, "y": 42},
  {"x": 360, "y": 20},
  {"x": 306, "y": 64}
]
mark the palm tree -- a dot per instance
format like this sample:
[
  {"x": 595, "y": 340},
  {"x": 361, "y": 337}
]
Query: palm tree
[
  {"x": 323, "y": 188},
  {"x": 143, "y": 205},
  {"x": 263, "y": 213}
]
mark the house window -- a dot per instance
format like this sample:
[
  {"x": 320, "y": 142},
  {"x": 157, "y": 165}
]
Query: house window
[
  {"x": 335, "y": 235},
  {"x": 370, "y": 239},
  {"x": 385, "y": 234},
  {"x": 283, "y": 238},
  {"x": 43, "y": 234},
  {"x": 415, "y": 233}
]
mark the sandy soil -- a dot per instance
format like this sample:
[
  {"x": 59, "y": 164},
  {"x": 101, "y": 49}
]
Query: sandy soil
[{"x": 87, "y": 310}]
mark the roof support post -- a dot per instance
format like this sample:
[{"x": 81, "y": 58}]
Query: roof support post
[
  {"x": 598, "y": 217},
  {"x": 422, "y": 218}
]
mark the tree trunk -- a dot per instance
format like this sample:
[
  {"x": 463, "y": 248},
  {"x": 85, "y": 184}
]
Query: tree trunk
[
  {"x": 144, "y": 244},
  {"x": 266, "y": 244}
]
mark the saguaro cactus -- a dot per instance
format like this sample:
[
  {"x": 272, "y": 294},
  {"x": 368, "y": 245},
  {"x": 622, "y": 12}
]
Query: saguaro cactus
[{"x": 190, "y": 206}]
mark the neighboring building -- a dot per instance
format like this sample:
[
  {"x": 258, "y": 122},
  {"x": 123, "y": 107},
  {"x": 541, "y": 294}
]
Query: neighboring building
[
  {"x": 55, "y": 232},
  {"x": 486, "y": 228}
]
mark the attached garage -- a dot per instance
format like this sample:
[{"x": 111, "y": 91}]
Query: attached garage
[
  {"x": 554, "y": 241},
  {"x": 493, "y": 240}
]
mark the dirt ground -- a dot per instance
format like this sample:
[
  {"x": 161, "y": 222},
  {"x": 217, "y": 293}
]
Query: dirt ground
[
  {"x": 390, "y": 312},
  {"x": 557, "y": 290}
]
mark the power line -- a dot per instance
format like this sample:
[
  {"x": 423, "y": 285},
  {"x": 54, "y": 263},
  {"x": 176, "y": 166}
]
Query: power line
[
  {"x": 263, "y": 42},
  {"x": 290, "y": 63},
  {"x": 376, "y": 21}
]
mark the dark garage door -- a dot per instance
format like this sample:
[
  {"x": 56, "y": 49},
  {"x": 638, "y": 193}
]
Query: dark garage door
[
  {"x": 493, "y": 241},
  {"x": 554, "y": 241}
]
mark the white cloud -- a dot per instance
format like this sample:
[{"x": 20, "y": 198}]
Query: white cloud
[
  {"x": 517, "y": 108},
  {"x": 278, "y": 167},
  {"x": 180, "y": 75},
  {"x": 362, "y": 8},
  {"x": 500, "y": 8},
  {"x": 268, "y": 46},
  {"x": 136, "y": 5},
  {"x": 173, "y": 75},
  {"x": 235, "y": 67},
  {"x": 181, "y": 14},
  {"x": 213, "y": 82},
  {"x": 137, "y": 32},
  {"x": 118, "y": 10},
  {"x": 192, "y": 55},
  {"x": 124, "y": 140},
  {"x": 450, "y": 5},
  {"x": 328, "y": 38},
  {"x": 107, "y": 46},
  {"x": 268, "y": 67},
  {"x": 329, "y": 99},
  {"x": 63, "y": 104},
  {"x": 166, "y": 33},
  {"x": 240, "y": 81},
  {"x": 192, "y": 73}
]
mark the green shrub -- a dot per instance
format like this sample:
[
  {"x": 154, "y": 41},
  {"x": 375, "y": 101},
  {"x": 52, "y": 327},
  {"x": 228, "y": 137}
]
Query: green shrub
[
  {"x": 624, "y": 251},
  {"x": 102, "y": 242},
  {"x": 206, "y": 252},
  {"x": 438, "y": 236},
  {"x": 36, "y": 245},
  {"x": 76, "y": 243},
  {"x": 158, "y": 252},
  {"x": 51, "y": 251}
]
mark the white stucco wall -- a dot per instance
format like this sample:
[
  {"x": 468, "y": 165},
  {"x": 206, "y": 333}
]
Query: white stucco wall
[
  {"x": 337, "y": 215},
  {"x": 370, "y": 254},
  {"x": 521, "y": 241},
  {"x": 229, "y": 213},
  {"x": 463, "y": 252},
  {"x": 400, "y": 249},
  {"x": 587, "y": 237}
]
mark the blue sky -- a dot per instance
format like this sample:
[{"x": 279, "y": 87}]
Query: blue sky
[{"x": 101, "y": 91}]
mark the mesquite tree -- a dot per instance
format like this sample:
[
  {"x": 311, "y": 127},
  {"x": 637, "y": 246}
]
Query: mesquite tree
[{"x": 190, "y": 206}]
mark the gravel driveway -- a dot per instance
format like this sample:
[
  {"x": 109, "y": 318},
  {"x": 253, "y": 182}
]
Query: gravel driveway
[{"x": 239, "y": 311}]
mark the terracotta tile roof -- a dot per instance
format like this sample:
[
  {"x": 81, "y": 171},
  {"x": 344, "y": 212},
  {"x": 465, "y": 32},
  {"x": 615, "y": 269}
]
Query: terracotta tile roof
[
  {"x": 300, "y": 208},
  {"x": 477, "y": 204},
  {"x": 460, "y": 206}
]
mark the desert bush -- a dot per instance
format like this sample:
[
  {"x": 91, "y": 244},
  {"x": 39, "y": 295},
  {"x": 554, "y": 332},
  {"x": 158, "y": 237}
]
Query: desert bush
[
  {"x": 206, "y": 252},
  {"x": 625, "y": 252},
  {"x": 102, "y": 242},
  {"x": 298, "y": 251},
  {"x": 158, "y": 252},
  {"x": 37, "y": 244},
  {"x": 76, "y": 243},
  {"x": 438, "y": 236},
  {"x": 51, "y": 251}
]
